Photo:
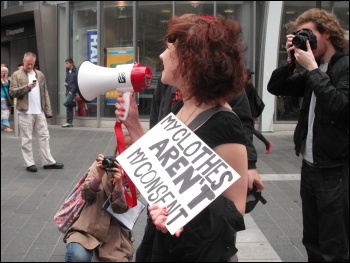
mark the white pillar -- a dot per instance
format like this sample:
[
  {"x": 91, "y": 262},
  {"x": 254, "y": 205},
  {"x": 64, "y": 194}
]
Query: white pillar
[{"x": 272, "y": 36}]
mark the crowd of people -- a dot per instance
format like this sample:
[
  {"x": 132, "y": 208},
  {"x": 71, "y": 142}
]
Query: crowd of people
[{"x": 204, "y": 68}]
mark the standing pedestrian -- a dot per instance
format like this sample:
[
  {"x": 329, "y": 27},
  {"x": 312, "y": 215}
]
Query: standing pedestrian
[
  {"x": 5, "y": 108},
  {"x": 20, "y": 66},
  {"x": 322, "y": 132},
  {"x": 71, "y": 91},
  {"x": 33, "y": 106},
  {"x": 251, "y": 93}
]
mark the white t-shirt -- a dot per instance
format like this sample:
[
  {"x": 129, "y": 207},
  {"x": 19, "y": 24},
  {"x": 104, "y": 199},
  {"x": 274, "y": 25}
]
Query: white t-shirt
[
  {"x": 307, "y": 151},
  {"x": 34, "y": 98}
]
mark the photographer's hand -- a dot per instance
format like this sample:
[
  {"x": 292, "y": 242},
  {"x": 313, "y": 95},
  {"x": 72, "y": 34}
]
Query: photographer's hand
[
  {"x": 306, "y": 58},
  {"x": 117, "y": 177},
  {"x": 290, "y": 48},
  {"x": 99, "y": 167}
]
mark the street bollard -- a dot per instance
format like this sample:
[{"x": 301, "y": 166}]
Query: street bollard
[{"x": 15, "y": 117}]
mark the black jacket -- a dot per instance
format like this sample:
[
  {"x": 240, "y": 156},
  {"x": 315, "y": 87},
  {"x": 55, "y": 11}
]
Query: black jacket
[
  {"x": 161, "y": 104},
  {"x": 240, "y": 105},
  {"x": 71, "y": 79},
  {"x": 331, "y": 124},
  {"x": 250, "y": 91}
]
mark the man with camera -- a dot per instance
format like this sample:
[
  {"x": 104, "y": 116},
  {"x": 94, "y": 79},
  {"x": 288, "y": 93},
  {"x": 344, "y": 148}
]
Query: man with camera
[{"x": 322, "y": 133}]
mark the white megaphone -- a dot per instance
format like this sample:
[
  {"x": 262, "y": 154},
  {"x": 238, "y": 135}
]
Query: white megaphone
[{"x": 94, "y": 80}]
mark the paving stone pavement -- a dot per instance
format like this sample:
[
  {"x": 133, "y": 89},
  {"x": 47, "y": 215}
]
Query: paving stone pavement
[{"x": 29, "y": 200}]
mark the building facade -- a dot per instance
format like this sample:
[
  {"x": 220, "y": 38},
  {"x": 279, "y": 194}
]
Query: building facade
[{"x": 109, "y": 33}]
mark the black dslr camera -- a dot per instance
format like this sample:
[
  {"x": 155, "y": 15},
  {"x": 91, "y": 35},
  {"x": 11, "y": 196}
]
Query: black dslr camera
[
  {"x": 108, "y": 163},
  {"x": 302, "y": 36}
]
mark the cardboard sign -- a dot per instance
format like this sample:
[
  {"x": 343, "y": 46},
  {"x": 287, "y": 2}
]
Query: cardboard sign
[{"x": 172, "y": 167}]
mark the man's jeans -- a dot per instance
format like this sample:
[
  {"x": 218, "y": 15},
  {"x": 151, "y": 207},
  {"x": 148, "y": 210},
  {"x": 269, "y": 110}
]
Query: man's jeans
[
  {"x": 77, "y": 253},
  {"x": 69, "y": 103},
  {"x": 325, "y": 209}
]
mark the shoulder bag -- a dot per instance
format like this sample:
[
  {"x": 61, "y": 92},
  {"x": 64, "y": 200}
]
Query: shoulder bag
[
  {"x": 259, "y": 104},
  {"x": 70, "y": 210}
]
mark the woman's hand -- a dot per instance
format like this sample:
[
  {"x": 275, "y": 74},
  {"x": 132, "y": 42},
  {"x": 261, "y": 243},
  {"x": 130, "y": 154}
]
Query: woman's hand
[
  {"x": 132, "y": 123},
  {"x": 133, "y": 115},
  {"x": 254, "y": 179},
  {"x": 159, "y": 216}
]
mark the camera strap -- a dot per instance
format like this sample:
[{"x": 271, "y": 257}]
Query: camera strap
[{"x": 130, "y": 200}]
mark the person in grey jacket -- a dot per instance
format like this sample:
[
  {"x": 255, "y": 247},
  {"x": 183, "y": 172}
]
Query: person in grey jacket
[
  {"x": 28, "y": 85},
  {"x": 322, "y": 132}
]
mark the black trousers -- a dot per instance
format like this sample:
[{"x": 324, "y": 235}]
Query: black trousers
[{"x": 325, "y": 209}]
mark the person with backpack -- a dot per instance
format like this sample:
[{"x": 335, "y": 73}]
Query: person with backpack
[
  {"x": 251, "y": 94},
  {"x": 96, "y": 234}
]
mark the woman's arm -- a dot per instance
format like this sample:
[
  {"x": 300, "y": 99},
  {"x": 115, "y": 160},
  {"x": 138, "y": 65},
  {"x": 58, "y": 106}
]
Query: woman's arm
[{"x": 236, "y": 156}]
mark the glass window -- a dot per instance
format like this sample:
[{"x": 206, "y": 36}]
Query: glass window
[
  {"x": 341, "y": 10},
  {"x": 83, "y": 43},
  {"x": 12, "y": 3},
  {"x": 238, "y": 10},
  {"x": 195, "y": 7},
  {"x": 151, "y": 28},
  {"x": 117, "y": 39}
]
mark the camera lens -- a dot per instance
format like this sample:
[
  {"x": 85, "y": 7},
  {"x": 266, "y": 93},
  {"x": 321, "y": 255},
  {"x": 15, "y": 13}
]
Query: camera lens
[
  {"x": 298, "y": 41},
  {"x": 106, "y": 163}
]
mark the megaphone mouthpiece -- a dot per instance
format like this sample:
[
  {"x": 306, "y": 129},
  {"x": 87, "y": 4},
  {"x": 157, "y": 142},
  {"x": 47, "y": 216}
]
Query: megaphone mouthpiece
[{"x": 141, "y": 77}]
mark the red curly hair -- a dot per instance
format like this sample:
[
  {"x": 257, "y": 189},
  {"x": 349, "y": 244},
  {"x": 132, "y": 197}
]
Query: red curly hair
[{"x": 210, "y": 53}]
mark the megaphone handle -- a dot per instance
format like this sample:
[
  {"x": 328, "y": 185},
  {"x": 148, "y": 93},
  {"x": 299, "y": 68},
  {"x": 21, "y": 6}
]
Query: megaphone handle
[{"x": 126, "y": 105}]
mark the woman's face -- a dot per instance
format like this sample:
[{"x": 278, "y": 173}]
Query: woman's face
[
  {"x": 4, "y": 73},
  {"x": 170, "y": 64}
]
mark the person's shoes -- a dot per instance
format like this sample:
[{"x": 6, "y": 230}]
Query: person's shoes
[
  {"x": 67, "y": 125},
  {"x": 234, "y": 258},
  {"x": 268, "y": 148},
  {"x": 54, "y": 166},
  {"x": 32, "y": 169},
  {"x": 7, "y": 129}
]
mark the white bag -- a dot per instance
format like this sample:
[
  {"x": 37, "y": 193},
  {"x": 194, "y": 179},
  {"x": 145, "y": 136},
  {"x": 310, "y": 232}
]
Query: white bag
[{"x": 5, "y": 114}]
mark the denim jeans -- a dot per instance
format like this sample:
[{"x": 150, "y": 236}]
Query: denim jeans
[
  {"x": 77, "y": 253},
  {"x": 69, "y": 104}
]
